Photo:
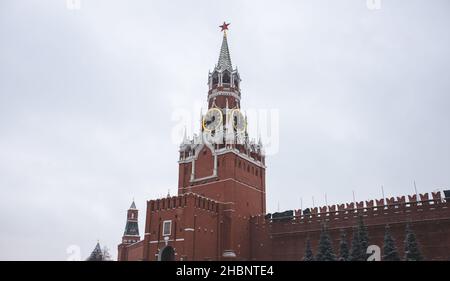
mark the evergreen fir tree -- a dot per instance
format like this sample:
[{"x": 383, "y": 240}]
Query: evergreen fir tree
[
  {"x": 355, "y": 251},
  {"x": 363, "y": 238},
  {"x": 106, "y": 254},
  {"x": 309, "y": 256},
  {"x": 412, "y": 252},
  {"x": 343, "y": 247},
  {"x": 325, "y": 251},
  {"x": 389, "y": 250}
]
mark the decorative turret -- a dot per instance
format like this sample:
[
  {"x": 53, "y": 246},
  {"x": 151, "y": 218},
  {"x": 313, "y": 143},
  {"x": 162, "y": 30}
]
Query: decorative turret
[{"x": 131, "y": 233}]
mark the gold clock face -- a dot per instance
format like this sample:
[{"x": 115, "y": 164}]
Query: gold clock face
[
  {"x": 212, "y": 119},
  {"x": 238, "y": 120}
]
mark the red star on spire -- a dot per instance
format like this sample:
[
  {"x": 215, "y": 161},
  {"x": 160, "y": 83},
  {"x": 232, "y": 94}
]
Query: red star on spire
[{"x": 224, "y": 26}]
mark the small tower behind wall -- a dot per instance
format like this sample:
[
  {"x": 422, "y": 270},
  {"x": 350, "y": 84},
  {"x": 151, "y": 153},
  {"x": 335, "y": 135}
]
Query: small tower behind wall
[{"x": 131, "y": 233}]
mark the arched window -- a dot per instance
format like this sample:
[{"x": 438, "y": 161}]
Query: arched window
[
  {"x": 215, "y": 79},
  {"x": 226, "y": 78}
]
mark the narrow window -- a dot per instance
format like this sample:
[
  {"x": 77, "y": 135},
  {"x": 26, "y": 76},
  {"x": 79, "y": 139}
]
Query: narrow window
[{"x": 167, "y": 226}]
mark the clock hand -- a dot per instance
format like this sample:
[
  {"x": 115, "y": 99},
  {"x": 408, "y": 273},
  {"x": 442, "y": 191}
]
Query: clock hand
[{"x": 209, "y": 121}]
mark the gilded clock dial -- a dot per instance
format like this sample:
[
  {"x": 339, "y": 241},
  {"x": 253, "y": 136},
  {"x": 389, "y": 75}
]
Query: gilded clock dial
[
  {"x": 238, "y": 119},
  {"x": 212, "y": 119}
]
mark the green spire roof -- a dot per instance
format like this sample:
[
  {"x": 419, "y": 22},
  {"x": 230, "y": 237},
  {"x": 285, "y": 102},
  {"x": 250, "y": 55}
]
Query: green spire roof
[{"x": 224, "y": 57}]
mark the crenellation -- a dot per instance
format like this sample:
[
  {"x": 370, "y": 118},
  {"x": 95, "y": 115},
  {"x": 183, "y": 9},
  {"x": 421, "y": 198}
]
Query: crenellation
[
  {"x": 390, "y": 201},
  {"x": 350, "y": 206},
  {"x": 424, "y": 197},
  {"x": 393, "y": 207},
  {"x": 380, "y": 202},
  {"x": 181, "y": 201},
  {"x": 436, "y": 196}
]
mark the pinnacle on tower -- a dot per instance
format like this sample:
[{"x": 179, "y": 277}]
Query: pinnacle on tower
[
  {"x": 133, "y": 206},
  {"x": 185, "y": 139}
]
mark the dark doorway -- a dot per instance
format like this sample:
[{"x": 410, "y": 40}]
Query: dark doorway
[{"x": 167, "y": 254}]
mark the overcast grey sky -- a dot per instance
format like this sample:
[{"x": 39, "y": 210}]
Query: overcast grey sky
[{"x": 87, "y": 97}]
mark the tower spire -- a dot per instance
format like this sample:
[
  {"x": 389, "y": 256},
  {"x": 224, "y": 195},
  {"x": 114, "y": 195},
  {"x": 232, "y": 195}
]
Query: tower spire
[
  {"x": 97, "y": 254},
  {"x": 224, "y": 57},
  {"x": 133, "y": 205}
]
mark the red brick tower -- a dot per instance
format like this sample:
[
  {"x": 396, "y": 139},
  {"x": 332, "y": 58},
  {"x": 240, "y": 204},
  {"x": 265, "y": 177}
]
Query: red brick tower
[
  {"x": 131, "y": 233},
  {"x": 221, "y": 162}
]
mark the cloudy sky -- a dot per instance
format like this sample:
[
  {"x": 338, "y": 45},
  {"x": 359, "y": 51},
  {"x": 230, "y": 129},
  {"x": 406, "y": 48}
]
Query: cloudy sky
[{"x": 88, "y": 96}]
